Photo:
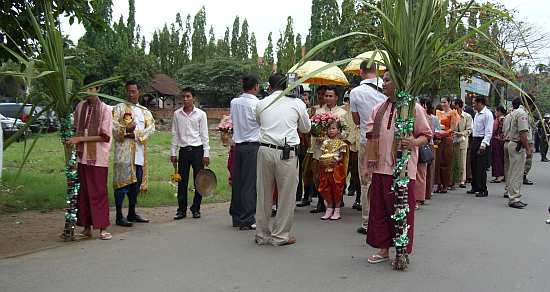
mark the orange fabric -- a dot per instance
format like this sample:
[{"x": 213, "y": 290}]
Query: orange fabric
[
  {"x": 449, "y": 120},
  {"x": 331, "y": 184}
]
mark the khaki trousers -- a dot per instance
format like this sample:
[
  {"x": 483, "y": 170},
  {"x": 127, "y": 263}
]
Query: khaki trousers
[
  {"x": 514, "y": 163},
  {"x": 365, "y": 187},
  {"x": 461, "y": 156},
  {"x": 272, "y": 170}
]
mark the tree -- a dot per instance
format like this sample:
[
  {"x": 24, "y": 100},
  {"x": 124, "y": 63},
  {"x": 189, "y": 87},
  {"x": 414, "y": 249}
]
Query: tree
[
  {"x": 298, "y": 44},
  {"x": 217, "y": 80},
  {"x": 286, "y": 49},
  {"x": 131, "y": 23},
  {"x": 223, "y": 46},
  {"x": 243, "y": 42},
  {"x": 348, "y": 24},
  {"x": 15, "y": 23},
  {"x": 268, "y": 60},
  {"x": 253, "y": 48},
  {"x": 211, "y": 43},
  {"x": 325, "y": 20},
  {"x": 198, "y": 40},
  {"x": 235, "y": 38}
]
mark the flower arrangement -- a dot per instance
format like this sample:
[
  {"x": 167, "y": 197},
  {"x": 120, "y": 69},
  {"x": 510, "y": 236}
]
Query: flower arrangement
[
  {"x": 226, "y": 130},
  {"x": 225, "y": 126},
  {"x": 321, "y": 122}
]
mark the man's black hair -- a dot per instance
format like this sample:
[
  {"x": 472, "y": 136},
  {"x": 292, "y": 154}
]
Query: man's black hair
[
  {"x": 501, "y": 109},
  {"x": 481, "y": 99},
  {"x": 249, "y": 82},
  {"x": 458, "y": 102},
  {"x": 132, "y": 82},
  {"x": 188, "y": 89},
  {"x": 368, "y": 68},
  {"x": 516, "y": 102},
  {"x": 331, "y": 88},
  {"x": 277, "y": 81},
  {"x": 322, "y": 87},
  {"x": 91, "y": 78}
]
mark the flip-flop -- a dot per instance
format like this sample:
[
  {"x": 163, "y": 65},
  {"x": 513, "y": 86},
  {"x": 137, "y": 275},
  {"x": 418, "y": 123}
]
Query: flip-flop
[
  {"x": 105, "y": 236},
  {"x": 376, "y": 259}
]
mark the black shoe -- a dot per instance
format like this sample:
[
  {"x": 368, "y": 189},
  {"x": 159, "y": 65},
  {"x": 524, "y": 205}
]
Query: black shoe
[
  {"x": 123, "y": 222},
  {"x": 342, "y": 204},
  {"x": 462, "y": 186},
  {"x": 472, "y": 192},
  {"x": 273, "y": 212},
  {"x": 482, "y": 194},
  {"x": 137, "y": 219},
  {"x": 517, "y": 205},
  {"x": 196, "y": 214},
  {"x": 180, "y": 215},
  {"x": 527, "y": 182},
  {"x": 317, "y": 210},
  {"x": 303, "y": 204},
  {"x": 544, "y": 160},
  {"x": 362, "y": 230},
  {"x": 248, "y": 227},
  {"x": 506, "y": 196},
  {"x": 357, "y": 206},
  {"x": 351, "y": 193}
]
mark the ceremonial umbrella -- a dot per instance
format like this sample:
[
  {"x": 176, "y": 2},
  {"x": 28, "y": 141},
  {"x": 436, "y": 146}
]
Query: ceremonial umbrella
[
  {"x": 374, "y": 56},
  {"x": 330, "y": 76}
]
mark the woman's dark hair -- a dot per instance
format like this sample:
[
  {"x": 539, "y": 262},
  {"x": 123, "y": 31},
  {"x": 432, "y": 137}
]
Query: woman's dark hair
[
  {"x": 426, "y": 103},
  {"x": 501, "y": 109}
]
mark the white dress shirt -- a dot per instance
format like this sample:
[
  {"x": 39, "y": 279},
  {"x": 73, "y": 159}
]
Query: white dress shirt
[
  {"x": 282, "y": 120},
  {"x": 190, "y": 130},
  {"x": 483, "y": 126},
  {"x": 362, "y": 100},
  {"x": 243, "y": 115},
  {"x": 139, "y": 119}
]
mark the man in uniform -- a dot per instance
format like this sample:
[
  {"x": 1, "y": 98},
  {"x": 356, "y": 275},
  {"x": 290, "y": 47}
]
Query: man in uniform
[
  {"x": 516, "y": 148},
  {"x": 542, "y": 128}
]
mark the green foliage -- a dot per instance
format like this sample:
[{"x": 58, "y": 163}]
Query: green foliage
[
  {"x": 325, "y": 22},
  {"x": 286, "y": 54},
  {"x": 198, "y": 40},
  {"x": 243, "y": 47},
  {"x": 235, "y": 38},
  {"x": 253, "y": 48},
  {"x": 267, "y": 66},
  {"x": 217, "y": 80}
]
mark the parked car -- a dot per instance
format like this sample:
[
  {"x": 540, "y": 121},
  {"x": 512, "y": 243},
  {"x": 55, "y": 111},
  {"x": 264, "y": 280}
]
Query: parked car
[
  {"x": 46, "y": 121},
  {"x": 10, "y": 126}
]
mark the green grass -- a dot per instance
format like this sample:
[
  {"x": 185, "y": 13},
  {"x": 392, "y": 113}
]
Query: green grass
[{"x": 42, "y": 184}]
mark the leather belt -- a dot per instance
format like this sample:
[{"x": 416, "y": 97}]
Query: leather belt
[
  {"x": 293, "y": 148},
  {"x": 249, "y": 143}
]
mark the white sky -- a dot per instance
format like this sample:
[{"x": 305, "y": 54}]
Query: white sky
[{"x": 263, "y": 16}]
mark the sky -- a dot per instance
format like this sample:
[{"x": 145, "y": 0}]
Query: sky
[{"x": 263, "y": 16}]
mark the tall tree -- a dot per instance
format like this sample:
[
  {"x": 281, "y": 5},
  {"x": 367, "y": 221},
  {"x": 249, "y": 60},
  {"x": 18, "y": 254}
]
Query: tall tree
[
  {"x": 268, "y": 60},
  {"x": 287, "y": 47},
  {"x": 253, "y": 48},
  {"x": 186, "y": 39},
  {"x": 325, "y": 21},
  {"x": 243, "y": 41},
  {"x": 298, "y": 53},
  {"x": 224, "y": 46},
  {"x": 198, "y": 39},
  {"x": 211, "y": 43},
  {"x": 348, "y": 24},
  {"x": 131, "y": 23},
  {"x": 235, "y": 38}
]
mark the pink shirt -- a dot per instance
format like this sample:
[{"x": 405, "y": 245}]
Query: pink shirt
[
  {"x": 105, "y": 129},
  {"x": 386, "y": 162}
]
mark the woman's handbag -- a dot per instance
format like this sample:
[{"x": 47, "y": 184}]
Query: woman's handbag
[{"x": 426, "y": 154}]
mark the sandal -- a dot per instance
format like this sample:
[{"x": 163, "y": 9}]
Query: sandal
[
  {"x": 376, "y": 259},
  {"x": 105, "y": 236}
]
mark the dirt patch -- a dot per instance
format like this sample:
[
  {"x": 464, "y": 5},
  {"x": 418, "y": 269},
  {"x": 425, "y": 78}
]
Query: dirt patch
[{"x": 31, "y": 231}]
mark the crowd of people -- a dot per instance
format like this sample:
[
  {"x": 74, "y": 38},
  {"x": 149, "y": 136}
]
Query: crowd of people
[{"x": 277, "y": 163}]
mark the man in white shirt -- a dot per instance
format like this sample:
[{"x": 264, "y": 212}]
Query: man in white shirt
[
  {"x": 246, "y": 135},
  {"x": 280, "y": 120},
  {"x": 363, "y": 98},
  {"x": 132, "y": 127},
  {"x": 190, "y": 135},
  {"x": 482, "y": 132}
]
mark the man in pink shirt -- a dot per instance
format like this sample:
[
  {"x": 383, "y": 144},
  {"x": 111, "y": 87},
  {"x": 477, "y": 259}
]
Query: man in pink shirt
[
  {"x": 380, "y": 163},
  {"x": 93, "y": 123}
]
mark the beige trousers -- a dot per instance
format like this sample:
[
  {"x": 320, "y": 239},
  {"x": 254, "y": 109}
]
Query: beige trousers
[
  {"x": 365, "y": 187},
  {"x": 271, "y": 170},
  {"x": 514, "y": 164}
]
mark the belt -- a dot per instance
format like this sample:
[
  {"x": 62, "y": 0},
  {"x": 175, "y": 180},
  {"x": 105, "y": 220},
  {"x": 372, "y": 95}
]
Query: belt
[
  {"x": 249, "y": 143},
  {"x": 190, "y": 148},
  {"x": 293, "y": 148},
  {"x": 478, "y": 138}
]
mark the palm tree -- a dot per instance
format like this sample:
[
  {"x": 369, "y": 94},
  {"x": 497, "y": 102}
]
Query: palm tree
[{"x": 47, "y": 63}]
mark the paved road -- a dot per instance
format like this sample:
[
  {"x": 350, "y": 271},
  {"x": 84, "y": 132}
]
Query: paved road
[{"x": 461, "y": 244}]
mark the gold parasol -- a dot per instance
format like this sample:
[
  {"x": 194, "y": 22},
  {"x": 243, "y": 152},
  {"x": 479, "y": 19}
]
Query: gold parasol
[
  {"x": 375, "y": 56},
  {"x": 330, "y": 76}
]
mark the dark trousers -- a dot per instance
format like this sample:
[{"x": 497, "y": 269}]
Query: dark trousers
[
  {"x": 480, "y": 165},
  {"x": 301, "y": 157},
  {"x": 189, "y": 157},
  {"x": 132, "y": 191},
  {"x": 243, "y": 187},
  {"x": 543, "y": 148},
  {"x": 354, "y": 181}
]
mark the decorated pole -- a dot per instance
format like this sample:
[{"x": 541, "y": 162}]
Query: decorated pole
[
  {"x": 71, "y": 174},
  {"x": 404, "y": 125}
]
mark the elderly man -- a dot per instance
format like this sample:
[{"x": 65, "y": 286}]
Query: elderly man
[
  {"x": 280, "y": 118},
  {"x": 363, "y": 98},
  {"x": 246, "y": 135},
  {"x": 132, "y": 127}
]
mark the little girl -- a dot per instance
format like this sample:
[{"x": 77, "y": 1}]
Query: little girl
[{"x": 333, "y": 170}]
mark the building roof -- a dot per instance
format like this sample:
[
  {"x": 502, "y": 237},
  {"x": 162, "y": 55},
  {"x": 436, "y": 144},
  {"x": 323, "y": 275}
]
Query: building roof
[{"x": 165, "y": 85}]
